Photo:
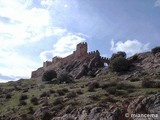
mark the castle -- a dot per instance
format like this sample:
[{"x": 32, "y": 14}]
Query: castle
[{"x": 79, "y": 54}]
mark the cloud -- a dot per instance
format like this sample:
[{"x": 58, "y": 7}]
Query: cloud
[
  {"x": 130, "y": 46},
  {"x": 15, "y": 65},
  {"x": 64, "y": 46},
  {"x": 157, "y": 3},
  {"x": 21, "y": 23}
]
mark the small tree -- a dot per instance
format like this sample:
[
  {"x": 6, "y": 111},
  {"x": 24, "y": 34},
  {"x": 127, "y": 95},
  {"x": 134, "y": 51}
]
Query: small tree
[
  {"x": 119, "y": 64},
  {"x": 156, "y": 50},
  {"x": 49, "y": 75},
  {"x": 118, "y": 54},
  {"x": 65, "y": 78}
]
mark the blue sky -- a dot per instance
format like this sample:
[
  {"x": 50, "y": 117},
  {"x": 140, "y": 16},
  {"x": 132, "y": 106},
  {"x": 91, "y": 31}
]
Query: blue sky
[{"x": 33, "y": 31}]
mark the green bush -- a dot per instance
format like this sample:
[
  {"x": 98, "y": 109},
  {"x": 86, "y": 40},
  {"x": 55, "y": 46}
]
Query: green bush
[
  {"x": 156, "y": 50},
  {"x": 8, "y": 96},
  {"x": 65, "y": 78},
  {"x": 34, "y": 100},
  {"x": 124, "y": 86},
  {"x": 46, "y": 116},
  {"x": 134, "y": 79},
  {"x": 92, "y": 86},
  {"x": 23, "y": 97},
  {"x": 45, "y": 94},
  {"x": 22, "y": 103},
  {"x": 135, "y": 58},
  {"x": 58, "y": 101},
  {"x": 49, "y": 75},
  {"x": 94, "y": 97},
  {"x": 79, "y": 91},
  {"x": 150, "y": 84},
  {"x": 71, "y": 94},
  {"x": 118, "y": 54},
  {"x": 62, "y": 92},
  {"x": 119, "y": 64},
  {"x": 109, "y": 84}
]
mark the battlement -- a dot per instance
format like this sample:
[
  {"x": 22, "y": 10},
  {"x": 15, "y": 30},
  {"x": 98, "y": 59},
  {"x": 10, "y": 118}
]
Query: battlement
[
  {"x": 82, "y": 43},
  {"x": 94, "y": 52},
  {"x": 46, "y": 64},
  {"x": 81, "y": 49},
  {"x": 80, "y": 53},
  {"x": 56, "y": 59},
  {"x": 105, "y": 60}
]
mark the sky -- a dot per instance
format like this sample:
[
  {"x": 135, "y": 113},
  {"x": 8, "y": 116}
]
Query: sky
[{"x": 33, "y": 31}]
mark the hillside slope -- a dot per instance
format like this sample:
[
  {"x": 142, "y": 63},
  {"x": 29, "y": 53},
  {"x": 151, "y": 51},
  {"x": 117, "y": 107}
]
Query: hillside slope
[{"x": 108, "y": 96}]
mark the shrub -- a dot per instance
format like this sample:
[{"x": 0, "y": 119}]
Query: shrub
[
  {"x": 109, "y": 99},
  {"x": 62, "y": 92},
  {"x": 46, "y": 116},
  {"x": 8, "y": 96},
  {"x": 94, "y": 97},
  {"x": 109, "y": 84},
  {"x": 65, "y": 78},
  {"x": 58, "y": 101},
  {"x": 156, "y": 50},
  {"x": 52, "y": 91},
  {"x": 111, "y": 91},
  {"x": 147, "y": 84},
  {"x": 68, "y": 109},
  {"x": 45, "y": 94},
  {"x": 79, "y": 91},
  {"x": 34, "y": 100},
  {"x": 118, "y": 54},
  {"x": 31, "y": 110},
  {"x": 135, "y": 58},
  {"x": 134, "y": 79},
  {"x": 91, "y": 74},
  {"x": 150, "y": 84},
  {"x": 124, "y": 86},
  {"x": 119, "y": 64},
  {"x": 157, "y": 84},
  {"x": 92, "y": 86},
  {"x": 27, "y": 117},
  {"x": 49, "y": 75},
  {"x": 22, "y": 103},
  {"x": 23, "y": 97},
  {"x": 71, "y": 94}
]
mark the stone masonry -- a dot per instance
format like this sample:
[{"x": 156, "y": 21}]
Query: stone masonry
[{"x": 79, "y": 54}]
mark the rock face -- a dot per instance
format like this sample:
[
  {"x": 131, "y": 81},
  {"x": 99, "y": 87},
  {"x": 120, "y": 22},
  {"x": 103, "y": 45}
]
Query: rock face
[
  {"x": 147, "y": 63},
  {"x": 74, "y": 63},
  {"x": 146, "y": 105},
  {"x": 141, "y": 105}
]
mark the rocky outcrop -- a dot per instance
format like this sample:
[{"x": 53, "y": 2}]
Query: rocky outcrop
[
  {"x": 146, "y": 105},
  {"x": 141, "y": 105},
  {"x": 146, "y": 64},
  {"x": 73, "y": 63}
]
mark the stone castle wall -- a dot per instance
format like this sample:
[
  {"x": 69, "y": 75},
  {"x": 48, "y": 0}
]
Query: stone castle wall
[{"x": 79, "y": 53}]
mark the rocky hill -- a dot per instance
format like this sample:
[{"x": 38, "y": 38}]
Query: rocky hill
[
  {"x": 78, "y": 64},
  {"x": 103, "y": 95}
]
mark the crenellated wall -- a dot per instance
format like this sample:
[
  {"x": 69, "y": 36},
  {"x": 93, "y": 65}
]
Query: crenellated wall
[
  {"x": 56, "y": 59},
  {"x": 37, "y": 73},
  {"x": 81, "y": 49},
  {"x": 47, "y": 63},
  {"x": 78, "y": 54}
]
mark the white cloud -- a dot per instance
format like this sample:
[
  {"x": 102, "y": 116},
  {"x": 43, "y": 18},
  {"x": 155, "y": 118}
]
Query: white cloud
[
  {"x": 157, "y": 3},
  {"x": 64, "y": 46},
  {"x": 22, "y": 24},
  {"x": 130, "y": 46},
  {"x": 15, "y": 66}
]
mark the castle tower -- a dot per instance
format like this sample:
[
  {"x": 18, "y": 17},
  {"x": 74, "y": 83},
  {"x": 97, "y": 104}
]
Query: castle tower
[{"x": 81, "y": 49}]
